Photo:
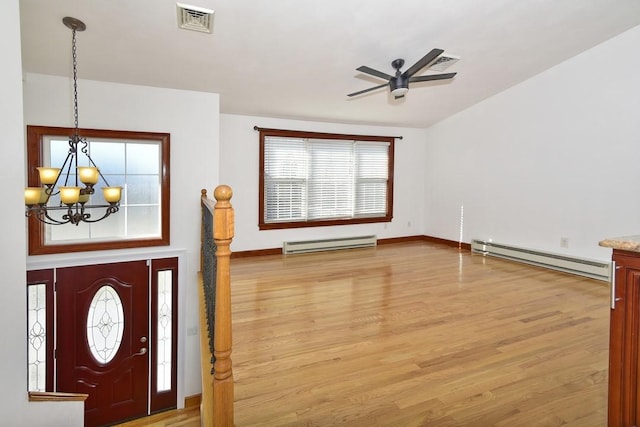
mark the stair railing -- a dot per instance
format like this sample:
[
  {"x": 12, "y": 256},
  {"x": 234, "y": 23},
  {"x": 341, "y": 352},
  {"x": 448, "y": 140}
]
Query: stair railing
[{"x": 217, "y": 230}]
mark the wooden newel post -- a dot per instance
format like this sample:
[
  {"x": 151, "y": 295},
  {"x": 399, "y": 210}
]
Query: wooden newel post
[{"x": 223, "y": 377}]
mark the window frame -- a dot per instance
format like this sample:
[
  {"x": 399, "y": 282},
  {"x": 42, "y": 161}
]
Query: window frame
[
  {"x": 35, "y": 156},
  {"x": 262, "y": 225}
]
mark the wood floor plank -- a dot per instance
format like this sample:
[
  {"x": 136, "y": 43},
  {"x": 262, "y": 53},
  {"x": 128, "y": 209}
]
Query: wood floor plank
[{"x": 415, "y": 334}]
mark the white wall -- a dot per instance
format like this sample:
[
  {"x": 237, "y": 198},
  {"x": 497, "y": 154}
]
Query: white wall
[
  {"x": 240, "y": 150},
  {"x": 556, "y": 156},
  {"x": 543, "y": 160},
  {"x": 192, "y": 119},
  {"x": 14, "y": 405}
]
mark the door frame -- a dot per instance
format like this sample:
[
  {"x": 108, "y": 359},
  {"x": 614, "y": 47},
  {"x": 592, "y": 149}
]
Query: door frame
[{"x": 78, "y": 259}]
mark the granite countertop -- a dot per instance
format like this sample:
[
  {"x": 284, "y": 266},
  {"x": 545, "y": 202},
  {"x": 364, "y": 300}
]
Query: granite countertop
[{"x": 627, "y": 243}]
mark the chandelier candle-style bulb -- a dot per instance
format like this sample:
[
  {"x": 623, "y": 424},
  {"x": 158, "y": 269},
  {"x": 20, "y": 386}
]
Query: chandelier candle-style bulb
[
  {"x": 112, "y": 194},
  {"x": 69, "y": 195},
  {"x": 88, "y": 174},
  {"x": 48, "y": 176},
  {"x": 34, "y": 196}
]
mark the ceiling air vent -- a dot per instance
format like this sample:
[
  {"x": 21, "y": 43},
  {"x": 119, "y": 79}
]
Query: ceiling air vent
[
  {"x": 443, "y": 62},
  {"x": 195, "y": 18}
]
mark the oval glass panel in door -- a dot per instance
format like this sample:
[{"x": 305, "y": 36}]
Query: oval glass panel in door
[{"x": 105, "y": 324}]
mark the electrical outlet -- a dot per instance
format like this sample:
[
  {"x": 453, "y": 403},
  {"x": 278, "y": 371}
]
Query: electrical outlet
[{"x": 564, "y": 242}]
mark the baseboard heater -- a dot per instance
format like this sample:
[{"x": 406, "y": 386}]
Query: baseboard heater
[
  {"x": 329, "y": 244},
  {"x": 584, "y": 267}
]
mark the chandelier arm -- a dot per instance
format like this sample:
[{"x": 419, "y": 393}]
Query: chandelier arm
[
  {"x": 73, "y": 156},
  {"x": 85, "y": 145},
  {"x": 102, "y": 206},
  {"x": 42, "y": 215},
  {"x": 76, "y": 217},
  {"x": 104, "y": 179},
  {"x": 110, "y": 209},
  {"x": 75, "y": 162},
  {"x": 67, "y": 217},
  {"x": 66, "y": 208}
]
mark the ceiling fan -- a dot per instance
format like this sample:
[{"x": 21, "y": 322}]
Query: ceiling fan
[{"x": 399, "y": 84}]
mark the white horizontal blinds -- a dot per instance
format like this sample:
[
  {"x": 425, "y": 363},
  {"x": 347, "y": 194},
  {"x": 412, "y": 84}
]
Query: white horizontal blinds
[
  {"x": 331, "y": 169},
  {"x": 372, "y": 174},
  {"x": 285, "y": 176},
  {"x": 324, "y": 179}
]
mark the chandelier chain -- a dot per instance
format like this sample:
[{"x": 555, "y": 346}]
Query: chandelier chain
[{"x": 74, "y": 54}]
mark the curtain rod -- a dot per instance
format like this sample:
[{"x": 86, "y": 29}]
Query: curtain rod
[{"x": 302, "y": 131}]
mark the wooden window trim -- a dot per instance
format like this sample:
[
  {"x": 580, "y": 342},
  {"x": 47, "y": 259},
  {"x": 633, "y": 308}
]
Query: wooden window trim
[
  {"x": 35, "y": 155},
  {"x": 262, "y": 225}
]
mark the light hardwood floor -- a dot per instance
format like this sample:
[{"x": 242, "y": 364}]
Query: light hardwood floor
[{"x": 414, "y": 334}]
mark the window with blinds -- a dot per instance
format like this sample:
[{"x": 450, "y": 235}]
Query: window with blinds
[{"x": 310, "y": 179}]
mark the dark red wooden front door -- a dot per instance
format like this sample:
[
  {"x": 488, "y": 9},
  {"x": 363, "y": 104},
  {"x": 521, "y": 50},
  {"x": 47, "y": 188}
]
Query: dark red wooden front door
[{"x": 103, "y": 337}]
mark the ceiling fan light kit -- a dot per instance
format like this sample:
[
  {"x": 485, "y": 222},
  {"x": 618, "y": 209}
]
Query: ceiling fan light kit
[
  {"x": 399, "y": 83},
  {"x": 399, "y": 92}
]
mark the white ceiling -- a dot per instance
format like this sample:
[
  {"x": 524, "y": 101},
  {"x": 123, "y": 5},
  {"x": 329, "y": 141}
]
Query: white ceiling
[{"x": 298, "y": 58}]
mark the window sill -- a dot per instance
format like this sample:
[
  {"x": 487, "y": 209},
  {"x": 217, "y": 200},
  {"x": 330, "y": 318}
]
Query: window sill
[{"x": 323, "y": 223}]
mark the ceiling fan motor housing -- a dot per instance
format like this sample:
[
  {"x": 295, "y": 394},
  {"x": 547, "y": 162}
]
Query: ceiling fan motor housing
[{"x": 398, "y": 82}]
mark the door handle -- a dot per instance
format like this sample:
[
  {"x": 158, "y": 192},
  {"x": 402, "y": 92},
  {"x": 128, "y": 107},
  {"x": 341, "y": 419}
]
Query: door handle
[
  {"x": 614, "y": 299},
  {"x": 142, "y": 352}
]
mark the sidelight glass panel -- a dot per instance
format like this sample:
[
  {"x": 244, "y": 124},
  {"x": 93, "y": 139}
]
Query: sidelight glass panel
[
  {"x": 164, "y": 337},
  {"x": 37, "y": 336},
  {"x": 105, "y": 324}
]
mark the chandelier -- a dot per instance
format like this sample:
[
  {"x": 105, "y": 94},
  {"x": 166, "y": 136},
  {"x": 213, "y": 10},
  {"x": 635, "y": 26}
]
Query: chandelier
[{"x": 69, "y": 197}]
